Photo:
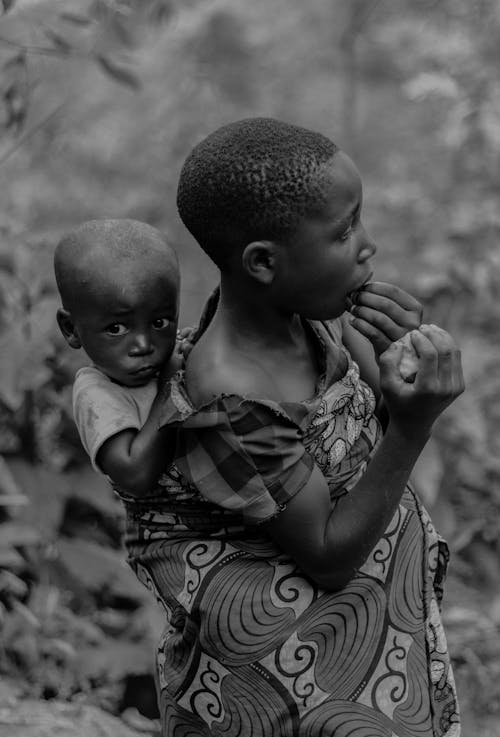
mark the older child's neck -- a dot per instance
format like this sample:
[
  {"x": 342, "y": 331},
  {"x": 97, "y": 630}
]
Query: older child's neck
[{"x": 250, "y": 317}]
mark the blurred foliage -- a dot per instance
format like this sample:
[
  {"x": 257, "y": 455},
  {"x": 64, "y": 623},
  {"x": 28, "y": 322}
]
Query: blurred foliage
[{"x": 101, "y": 100}]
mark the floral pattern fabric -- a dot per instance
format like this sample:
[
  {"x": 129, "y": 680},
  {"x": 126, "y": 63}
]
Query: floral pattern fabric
[{"x": 252, "y": 647}]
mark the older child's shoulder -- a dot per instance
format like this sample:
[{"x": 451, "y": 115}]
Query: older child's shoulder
[{"x": 212, "y": 371}]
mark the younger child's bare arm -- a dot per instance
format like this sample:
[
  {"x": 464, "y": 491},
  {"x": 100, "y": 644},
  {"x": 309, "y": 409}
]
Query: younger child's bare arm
[{"x": 134, "y": 459}]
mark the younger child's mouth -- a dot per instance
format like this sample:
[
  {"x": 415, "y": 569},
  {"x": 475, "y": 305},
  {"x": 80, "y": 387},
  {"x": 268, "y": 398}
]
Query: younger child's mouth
[{"x": 146, "y": 371}]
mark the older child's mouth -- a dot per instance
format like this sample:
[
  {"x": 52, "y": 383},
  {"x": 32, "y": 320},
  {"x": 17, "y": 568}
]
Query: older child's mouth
[{"x": 351, "y": 297}]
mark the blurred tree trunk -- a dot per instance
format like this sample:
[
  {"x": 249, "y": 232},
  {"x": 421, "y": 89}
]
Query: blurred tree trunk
[
  {"x": 471, "y": 163},
  {"x": 355, "y": 15}
]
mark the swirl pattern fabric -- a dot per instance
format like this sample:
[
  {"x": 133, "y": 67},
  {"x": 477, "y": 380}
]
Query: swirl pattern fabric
[{"x": 252, "y": 648}]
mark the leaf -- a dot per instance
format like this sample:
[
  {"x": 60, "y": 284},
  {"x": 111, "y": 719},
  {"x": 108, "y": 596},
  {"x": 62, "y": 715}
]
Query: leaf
[
  {"x": 12, "y": 586},
  {"x": 8, "y": 484},
  {"x": 59, "y": 649},
  {"x": 427, "y": 83},
  {"x": 59, "y": 42},
  {"x": 15, "y": 61},
  {"x": 75, "y": 18},
  {"x": 12, "y": 356},
  {"x": 11, "y": 559},
  {"x": 7, "y": 5},
  {"x": 118, "y": 72},
  {"x": 26, "y": 614},
  {"x": 17, "y": 535}
]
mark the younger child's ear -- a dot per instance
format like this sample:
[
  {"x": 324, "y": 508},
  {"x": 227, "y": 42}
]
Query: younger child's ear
[
  {"x": 67, "y": 328},
  {"x": 259, "y": 261}
]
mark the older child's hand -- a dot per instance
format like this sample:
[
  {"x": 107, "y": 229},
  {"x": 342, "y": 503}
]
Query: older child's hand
[
  {"x": 414, "y": 407},
  {"x": 384, "y": 313}
]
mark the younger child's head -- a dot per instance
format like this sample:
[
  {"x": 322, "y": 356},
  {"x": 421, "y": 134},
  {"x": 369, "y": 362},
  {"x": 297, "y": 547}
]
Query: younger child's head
[
  {"x": 280, "y": 204},
  {"x": 119, "y": 286}
]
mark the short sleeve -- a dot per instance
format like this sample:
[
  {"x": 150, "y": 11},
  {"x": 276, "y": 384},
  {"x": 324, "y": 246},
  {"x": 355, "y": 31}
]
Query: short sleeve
[
  {"x": 244, "y": 456},
  {"x": 101, "y": 409},
  {"x": 334, "y": 330}
]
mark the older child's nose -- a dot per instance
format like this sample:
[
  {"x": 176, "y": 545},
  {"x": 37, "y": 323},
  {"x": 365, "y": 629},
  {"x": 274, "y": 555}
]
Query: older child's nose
[
  {"x": 367, "y": 247},
  {"x": 141, "y": 345}
]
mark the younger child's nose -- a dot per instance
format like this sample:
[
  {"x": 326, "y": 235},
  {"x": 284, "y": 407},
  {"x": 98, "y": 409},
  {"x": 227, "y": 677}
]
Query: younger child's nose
[{"x": 141, "y": 346}]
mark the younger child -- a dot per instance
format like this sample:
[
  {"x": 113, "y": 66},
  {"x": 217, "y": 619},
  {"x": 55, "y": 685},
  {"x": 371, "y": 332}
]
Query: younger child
[{"x": 119, "y": 286}]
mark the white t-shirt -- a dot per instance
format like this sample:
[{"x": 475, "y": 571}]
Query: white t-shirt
[{"x": 102, "y": 408}]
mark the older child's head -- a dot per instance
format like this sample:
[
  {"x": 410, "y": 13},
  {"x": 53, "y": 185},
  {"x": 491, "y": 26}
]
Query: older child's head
[
  {"x": 277, "y": 207},
  {"x": 119, "y": 287}
]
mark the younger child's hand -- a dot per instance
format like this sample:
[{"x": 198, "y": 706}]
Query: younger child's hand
[
  {"x": 414, "y": 407},
  {"x": 384, "y": 313},
  {"x": 185, "y": 340},
  {"x": 183, "y": 346}
]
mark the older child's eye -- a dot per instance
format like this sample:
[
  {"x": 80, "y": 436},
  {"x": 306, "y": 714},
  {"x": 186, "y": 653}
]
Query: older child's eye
[
  {"x": 352, "y": 225},
  {"x": 346, "y": 234},
  {"x": 161, "y": 323},
  {"x": 116, "y": 328}
]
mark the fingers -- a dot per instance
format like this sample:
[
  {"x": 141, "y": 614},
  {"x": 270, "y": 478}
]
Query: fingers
[
  {"x": 440, "y": 366},
  {"x": 393, "y": 293},
  {"x": 391, "y": 323},
  {"x": 379, "y": 340},
  {"x": 427, "y": 377},
  {"x": 388, "y": 309},
  {"x": 185, "y": 333},
  {"x": 446, "y": 359},
  {"x": 439, "y": 362},
  {"x": 184, "y": 342},
  {"x": 382, "y": 312}
]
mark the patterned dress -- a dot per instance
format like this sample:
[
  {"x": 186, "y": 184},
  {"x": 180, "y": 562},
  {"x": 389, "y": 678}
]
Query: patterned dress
[{"x": 252, "y": 647}]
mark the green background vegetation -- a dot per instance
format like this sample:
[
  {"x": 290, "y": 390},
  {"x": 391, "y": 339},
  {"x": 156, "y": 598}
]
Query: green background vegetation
[{"x": 100, "y": 101}]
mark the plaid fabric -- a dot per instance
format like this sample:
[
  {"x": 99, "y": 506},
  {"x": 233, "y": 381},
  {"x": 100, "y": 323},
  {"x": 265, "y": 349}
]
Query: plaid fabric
[
  {"x": 246, "y": 455},
  {"x": 243, "y": 455}
]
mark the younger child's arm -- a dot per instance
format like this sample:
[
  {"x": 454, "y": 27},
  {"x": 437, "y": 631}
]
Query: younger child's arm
[{"x": 134, "y": 459}]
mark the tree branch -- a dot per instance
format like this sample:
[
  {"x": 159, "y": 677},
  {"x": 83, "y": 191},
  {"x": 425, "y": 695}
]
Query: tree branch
[{"x": 41, "y": 50}]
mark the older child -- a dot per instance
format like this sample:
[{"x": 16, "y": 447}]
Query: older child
[
  {"x": 300, "y": 575},
  {"x": 119, "y": 285}
]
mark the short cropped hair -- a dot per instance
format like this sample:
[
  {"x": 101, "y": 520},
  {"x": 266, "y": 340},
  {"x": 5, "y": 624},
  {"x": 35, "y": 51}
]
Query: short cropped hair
[
  {"x": 78, "y": 255},
  {"x": 250, "y": 180}
]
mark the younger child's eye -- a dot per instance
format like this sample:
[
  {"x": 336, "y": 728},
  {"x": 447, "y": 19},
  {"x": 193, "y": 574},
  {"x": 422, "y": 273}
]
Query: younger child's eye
[
  {"x": 161, "y": 323},
  {"x": 116, "y": 328}
]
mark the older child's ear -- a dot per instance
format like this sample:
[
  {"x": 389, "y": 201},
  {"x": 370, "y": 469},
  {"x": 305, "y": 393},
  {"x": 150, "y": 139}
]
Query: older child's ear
[
  {"x": 259, "y": 261},
  {"x": 67, "y": 328}
]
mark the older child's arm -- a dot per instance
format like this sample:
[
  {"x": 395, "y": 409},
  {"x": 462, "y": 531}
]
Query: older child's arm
[
  {"x": 331, "y": 542},
  {"x": 363, "y": 353}
]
